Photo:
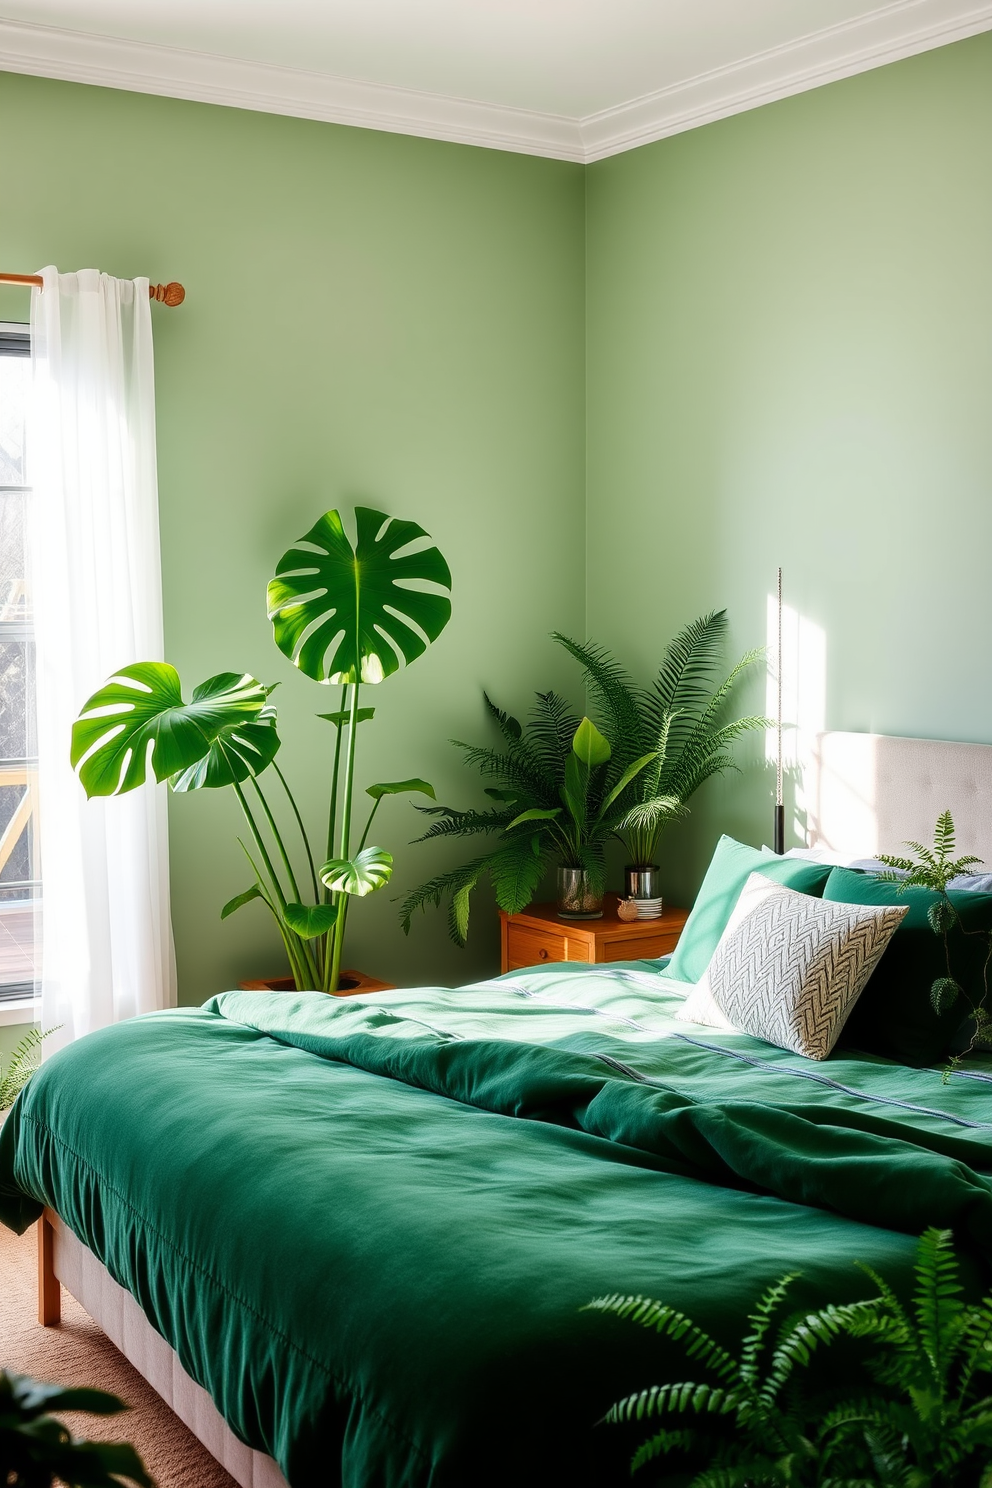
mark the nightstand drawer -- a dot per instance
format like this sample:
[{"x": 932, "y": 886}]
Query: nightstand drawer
[
  {"x": 532, "y": 947},
  {"x": 538, "y": 936},
  {"x": 645, "y": 947}
]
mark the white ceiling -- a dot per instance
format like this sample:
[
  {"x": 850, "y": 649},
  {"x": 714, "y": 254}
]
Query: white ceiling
[{"x": 576, "y": 79}]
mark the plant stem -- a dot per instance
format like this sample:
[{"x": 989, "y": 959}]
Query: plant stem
[
  {"x": 368, "y": 824},
  {"x": 349, "y": 773},
  {"x": 303, "y": 831},
  {"x": 347, "y": 789},
  {"x": 278, "y": 838},
  {"x": 300, "y": 962},
  {"x": 333, "y": 805},
  {"x": 335, "y": 972}
]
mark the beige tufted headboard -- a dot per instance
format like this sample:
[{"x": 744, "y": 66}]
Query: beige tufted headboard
[{"x": 868, "y": 793}]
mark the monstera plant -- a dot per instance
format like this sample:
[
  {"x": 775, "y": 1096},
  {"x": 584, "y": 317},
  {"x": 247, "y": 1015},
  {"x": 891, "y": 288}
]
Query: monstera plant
[{"x": 345, "y": 614}]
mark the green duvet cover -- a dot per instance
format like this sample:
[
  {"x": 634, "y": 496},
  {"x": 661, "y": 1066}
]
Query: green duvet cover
[{"x": 368, "y": 1226}]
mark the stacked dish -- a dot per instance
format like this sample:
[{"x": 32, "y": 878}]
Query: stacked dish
[{"x": 648, "y": 909}]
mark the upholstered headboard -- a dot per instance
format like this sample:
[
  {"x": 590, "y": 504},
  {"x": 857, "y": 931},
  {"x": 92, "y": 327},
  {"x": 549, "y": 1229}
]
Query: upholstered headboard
[{"x": 868, "y": 793}]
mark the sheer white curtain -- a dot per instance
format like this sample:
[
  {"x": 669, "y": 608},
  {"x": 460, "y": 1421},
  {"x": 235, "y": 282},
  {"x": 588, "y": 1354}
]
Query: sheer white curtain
[{"x": 96, "y": 575}]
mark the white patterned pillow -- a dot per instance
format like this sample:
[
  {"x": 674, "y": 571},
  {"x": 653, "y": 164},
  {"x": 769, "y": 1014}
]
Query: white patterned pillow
[{"x": 789, "y": 968}]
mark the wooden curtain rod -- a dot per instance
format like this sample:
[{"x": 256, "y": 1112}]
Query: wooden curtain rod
[{"x": 166, "y": 294}]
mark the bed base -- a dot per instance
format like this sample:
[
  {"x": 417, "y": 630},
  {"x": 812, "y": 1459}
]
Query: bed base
[{"x": 64, "y": 1261}]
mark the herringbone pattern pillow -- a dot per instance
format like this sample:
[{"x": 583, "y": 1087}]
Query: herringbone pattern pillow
[{"x": 789, "y": 968}]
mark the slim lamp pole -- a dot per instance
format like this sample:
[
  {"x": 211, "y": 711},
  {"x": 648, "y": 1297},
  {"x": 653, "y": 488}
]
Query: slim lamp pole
[{"x": 779, "y": 840}]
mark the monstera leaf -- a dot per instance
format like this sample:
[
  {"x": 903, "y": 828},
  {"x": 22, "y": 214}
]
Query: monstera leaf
[
  {"x": 360, "y": 875},
  {"x": 238, "y": 750},
  {"x": 139, "y": 721},
  {"x": 349, "y": 614}
]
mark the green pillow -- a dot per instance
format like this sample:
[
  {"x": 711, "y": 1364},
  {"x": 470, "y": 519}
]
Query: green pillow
[
  {"x": 894, "y": 1015},
  {"x": 731, "y": 866}
]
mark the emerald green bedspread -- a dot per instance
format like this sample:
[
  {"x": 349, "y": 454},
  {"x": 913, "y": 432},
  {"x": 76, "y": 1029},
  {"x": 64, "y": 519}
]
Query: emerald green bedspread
[{"x": 368, "y": 1226}]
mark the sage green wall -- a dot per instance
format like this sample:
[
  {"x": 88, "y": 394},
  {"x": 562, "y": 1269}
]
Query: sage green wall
[
  {"x": 789, "y": 323},
  {"x": 788, "y": 359},
  {"x": 369, "y": 318}
]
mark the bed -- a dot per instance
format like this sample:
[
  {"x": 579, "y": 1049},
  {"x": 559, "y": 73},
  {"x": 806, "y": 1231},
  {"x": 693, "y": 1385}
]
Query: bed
[{"x": 394, "y": 1208}]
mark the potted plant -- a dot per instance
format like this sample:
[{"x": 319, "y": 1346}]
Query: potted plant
[
  {"x": 344, "y": 614},
  {"x": 37, "y": 1450},
  {"x": 918, "y": 1414},
  {"x": 680, "y": 717},
  {"x": 557, "y": 801},
  {"x": 565, "y": 786}
]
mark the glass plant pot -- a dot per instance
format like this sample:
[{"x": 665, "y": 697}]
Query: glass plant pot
[
  {"x": 642, "y": 881},
  {"x": 576, "y": 900}
]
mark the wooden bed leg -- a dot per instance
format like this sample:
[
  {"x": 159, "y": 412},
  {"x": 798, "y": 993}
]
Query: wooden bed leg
[{"x": 49, "y": 1287}]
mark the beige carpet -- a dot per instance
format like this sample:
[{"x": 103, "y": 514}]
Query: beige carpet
[{"x": 79, "y": 1353}]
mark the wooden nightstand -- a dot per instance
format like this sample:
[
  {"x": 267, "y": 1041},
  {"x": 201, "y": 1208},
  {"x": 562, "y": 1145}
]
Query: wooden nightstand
[{"x": 537, "y": 936}]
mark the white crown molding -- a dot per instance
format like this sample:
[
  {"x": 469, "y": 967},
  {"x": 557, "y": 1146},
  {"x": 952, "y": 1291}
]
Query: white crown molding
[
  {"x": 896, "y": 30},
  {"x": 108, "y": 62}
]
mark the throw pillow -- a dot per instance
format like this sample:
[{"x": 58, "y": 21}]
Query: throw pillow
[
  {"x": 725, "y": 877},
  {"x": 789, "y": 968},
  {"x": 895, "y": 1017}
]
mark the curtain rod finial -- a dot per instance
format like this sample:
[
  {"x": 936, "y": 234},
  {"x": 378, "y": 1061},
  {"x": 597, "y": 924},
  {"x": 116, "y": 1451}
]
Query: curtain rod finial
[{"x": 167, "y": 294}]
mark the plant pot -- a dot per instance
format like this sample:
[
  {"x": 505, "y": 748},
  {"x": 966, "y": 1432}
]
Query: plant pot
[
  {"x": 641, "y": 880},
  {"x": 576, "y": 900},
  {"x": 350, "y": 984}
]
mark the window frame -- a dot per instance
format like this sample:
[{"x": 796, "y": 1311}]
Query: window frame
[{"x": 15, "y": 340}]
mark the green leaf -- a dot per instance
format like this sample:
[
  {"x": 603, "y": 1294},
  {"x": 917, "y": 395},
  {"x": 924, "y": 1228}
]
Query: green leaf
[
  {"x": 501, "y": 795},
  {"x": 359, "y": 876},
  {"x": 631, "y": 773},
  {"x": 343, "y": 718},
  {"x": 239, "y": 750},
  {"x": 33, "y": 1397},
  {"x": 944, "y": 993},
  {"x": 590, "y": 746},
  {"x": 138, "y": 720},
  {"x": 239, "y": 899},
  {"x": 536, "y": 813},
  {"x": 347, "y": 614},
  {"x": 399, "y": 788},
  {"x": 309, "y": 921}
]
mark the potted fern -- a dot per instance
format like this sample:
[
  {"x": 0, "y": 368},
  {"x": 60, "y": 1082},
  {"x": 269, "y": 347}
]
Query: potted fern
[
  {"x": 346, "y": 615},
  {"x": 562, "y": 786},
  {"x": 921, "y": 1417},
  {"x": 680, "y": 718}
]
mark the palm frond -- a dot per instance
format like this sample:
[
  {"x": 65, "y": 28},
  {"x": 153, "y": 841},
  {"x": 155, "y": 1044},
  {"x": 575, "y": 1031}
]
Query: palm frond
[
  {"x": 452, "y": 823},
  {"x": 613, "y": 690},
  {"x": 685, "y": 676},
  {"x": 20, "y": 1066},
  {"x": 551, "y": 731}
]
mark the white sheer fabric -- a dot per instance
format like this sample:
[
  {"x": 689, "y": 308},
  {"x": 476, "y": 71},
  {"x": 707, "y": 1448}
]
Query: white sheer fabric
[{"x": 96, "y": 575}]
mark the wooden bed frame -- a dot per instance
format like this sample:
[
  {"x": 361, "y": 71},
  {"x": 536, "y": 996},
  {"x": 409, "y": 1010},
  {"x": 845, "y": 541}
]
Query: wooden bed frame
[{"x": 864, "y": 793}]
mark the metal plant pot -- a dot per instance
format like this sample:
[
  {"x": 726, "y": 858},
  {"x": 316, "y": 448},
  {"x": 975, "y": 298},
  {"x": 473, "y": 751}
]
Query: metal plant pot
[
  {"x": 576, "y": 900},
  {"x": 642, "y": 882}
]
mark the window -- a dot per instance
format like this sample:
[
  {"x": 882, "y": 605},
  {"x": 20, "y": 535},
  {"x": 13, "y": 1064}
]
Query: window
[{"x": 20, "y": 887}]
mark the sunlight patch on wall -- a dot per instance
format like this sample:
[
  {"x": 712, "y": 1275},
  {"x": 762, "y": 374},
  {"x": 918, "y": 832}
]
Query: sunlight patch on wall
[{"x": 803, "y": 669}]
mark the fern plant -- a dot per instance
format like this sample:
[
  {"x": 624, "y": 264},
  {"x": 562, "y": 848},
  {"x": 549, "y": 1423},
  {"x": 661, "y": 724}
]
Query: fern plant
[
  {"x": 934, "y": 869},
  {"x": 20, "y": 1066},
  {"x": 922, "y": 1418},
  {"x": 558, "y": 798},
  {"x": 680, "y": 718},
  {"x": 657, "y": 745},
  {"x": 929, "y": 1419}
]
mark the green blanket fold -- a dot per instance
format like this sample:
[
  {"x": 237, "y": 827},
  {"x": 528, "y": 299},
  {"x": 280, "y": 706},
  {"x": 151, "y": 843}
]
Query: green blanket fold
[{"x": 368, "y": 1227}]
